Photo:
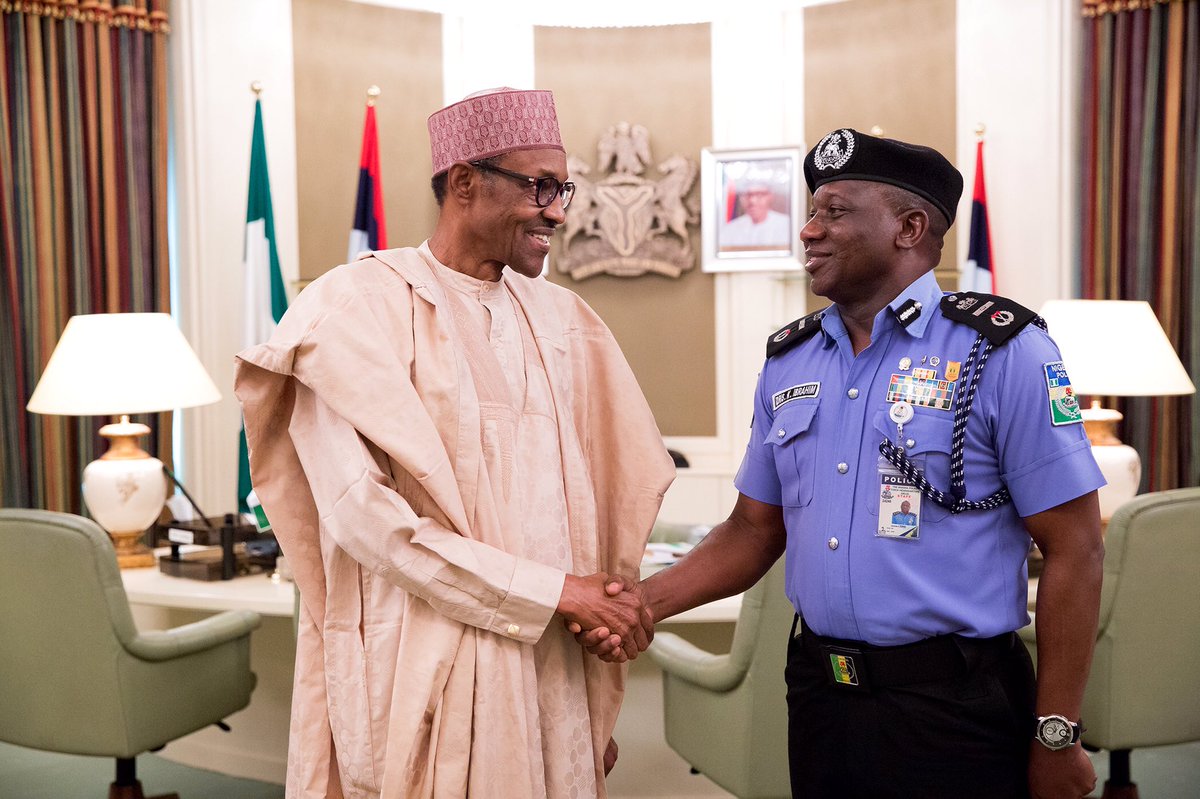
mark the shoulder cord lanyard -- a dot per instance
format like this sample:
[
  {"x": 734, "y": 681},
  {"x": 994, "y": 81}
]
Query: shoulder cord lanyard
[{"x": 956, "y": 501}]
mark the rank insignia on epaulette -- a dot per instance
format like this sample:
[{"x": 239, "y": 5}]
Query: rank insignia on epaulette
[
  {"x": 789, "y": 336},
  {"x": 997, "y": 318}
]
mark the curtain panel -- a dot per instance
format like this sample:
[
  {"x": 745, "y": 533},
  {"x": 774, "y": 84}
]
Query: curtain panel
[
  {"x": 1140, "y": 203},
  {"x": 83, "y": 213}
]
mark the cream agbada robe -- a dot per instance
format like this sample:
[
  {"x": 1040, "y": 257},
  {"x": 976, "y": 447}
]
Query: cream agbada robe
[{"x": 369, "y": 437}]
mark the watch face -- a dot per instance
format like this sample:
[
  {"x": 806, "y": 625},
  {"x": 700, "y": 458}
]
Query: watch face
[{"x": 1055, "y": 733}]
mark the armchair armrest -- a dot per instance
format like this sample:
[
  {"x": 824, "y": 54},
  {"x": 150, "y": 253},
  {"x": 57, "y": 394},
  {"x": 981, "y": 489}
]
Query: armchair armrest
[
  {"x": 188, "y": 639},
  {"x": 1028, "y": 633},
  {"x": 689, "y": 662}
]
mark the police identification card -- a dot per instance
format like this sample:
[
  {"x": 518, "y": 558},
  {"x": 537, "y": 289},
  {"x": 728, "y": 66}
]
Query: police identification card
[{"x": 899, "y": 505}]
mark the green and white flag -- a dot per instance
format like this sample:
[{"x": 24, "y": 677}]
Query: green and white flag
[{"x": 264, "y": 297}]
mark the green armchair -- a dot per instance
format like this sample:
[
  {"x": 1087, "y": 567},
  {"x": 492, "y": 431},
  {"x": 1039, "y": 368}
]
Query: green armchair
[
  {"x": 75, "y": 674},
  {"x": 741, "y": 694},
  {"x": 1144, "y": 687}
]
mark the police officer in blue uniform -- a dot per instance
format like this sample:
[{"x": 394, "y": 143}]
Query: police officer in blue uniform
[{"x": 905, "y": 677}]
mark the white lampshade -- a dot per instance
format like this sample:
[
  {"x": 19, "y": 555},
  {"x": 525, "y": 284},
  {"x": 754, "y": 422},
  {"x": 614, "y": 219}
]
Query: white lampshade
[
  {"x": 126, "y": 363},
  {"x": 120, "y": 364},
  {"x": 1115, "y": 348}
]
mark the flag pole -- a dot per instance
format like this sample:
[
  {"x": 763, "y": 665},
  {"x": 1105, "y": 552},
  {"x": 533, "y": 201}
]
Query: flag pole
[
  {"x": 372, "y": 93},
  {"x": 256, "y": 87}
]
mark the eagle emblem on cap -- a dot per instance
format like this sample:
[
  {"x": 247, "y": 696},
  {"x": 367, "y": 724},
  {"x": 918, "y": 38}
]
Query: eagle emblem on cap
[{"x": 834, "y": 150}]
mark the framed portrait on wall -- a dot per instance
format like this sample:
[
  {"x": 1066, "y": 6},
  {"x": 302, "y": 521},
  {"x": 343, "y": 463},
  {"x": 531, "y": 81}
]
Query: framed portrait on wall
[{"x": 751, "y": 209}]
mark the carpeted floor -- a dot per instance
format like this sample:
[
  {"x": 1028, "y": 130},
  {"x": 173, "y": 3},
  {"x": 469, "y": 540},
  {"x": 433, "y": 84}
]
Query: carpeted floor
[
  {"x": 31, "y": 774},
  {"x": 1165, "y": 772}
]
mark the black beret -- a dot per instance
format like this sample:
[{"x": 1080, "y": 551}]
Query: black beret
[{"x": 849, "y": 155}]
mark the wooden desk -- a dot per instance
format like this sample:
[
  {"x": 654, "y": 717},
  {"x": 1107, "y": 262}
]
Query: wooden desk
[
  {"x": 262, "y": 594},
  {"x": 257, "y": 592}
]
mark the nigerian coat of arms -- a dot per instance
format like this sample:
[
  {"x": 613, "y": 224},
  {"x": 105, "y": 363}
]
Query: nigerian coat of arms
[{"x": 626, "y": 224}]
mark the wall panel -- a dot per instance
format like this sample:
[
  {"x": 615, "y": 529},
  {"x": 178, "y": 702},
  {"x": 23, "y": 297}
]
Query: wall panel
[
  {"x": 341, "y": 48},
  {"x": 661, "y": 78},
  {"x": 889, "y": 63}
]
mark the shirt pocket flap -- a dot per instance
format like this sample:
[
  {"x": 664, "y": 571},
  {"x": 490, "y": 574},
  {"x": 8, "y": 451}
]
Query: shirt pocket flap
[
  {"x": 930, "y": 431},
  {"x": 793, "y": 420}
]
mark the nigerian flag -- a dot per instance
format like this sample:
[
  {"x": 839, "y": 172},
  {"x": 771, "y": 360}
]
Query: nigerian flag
[{"x": 264, "y": 298}]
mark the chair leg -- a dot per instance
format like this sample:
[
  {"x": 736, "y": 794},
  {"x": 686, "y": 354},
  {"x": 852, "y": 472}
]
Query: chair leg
[
  {"x": 127, "y": 785},
  {"x": 1119, "y": 785}
]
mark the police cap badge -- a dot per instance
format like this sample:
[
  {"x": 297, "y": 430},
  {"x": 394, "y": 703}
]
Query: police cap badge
[{"x": 846, "y": 154}]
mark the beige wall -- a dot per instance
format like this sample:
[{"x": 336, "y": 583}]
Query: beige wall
[
  {"x": 885, "y": 63},
  {"x": 660, "y": 78},
  {"x": 867, "y": 63},
  {"x": 341, "y": 48}
]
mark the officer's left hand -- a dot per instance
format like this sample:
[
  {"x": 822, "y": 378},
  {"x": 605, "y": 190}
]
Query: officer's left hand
[{"x": 1065, "y": 774}]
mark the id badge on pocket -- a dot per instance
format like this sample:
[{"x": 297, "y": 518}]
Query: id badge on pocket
[{"x": 899, "y": 505}]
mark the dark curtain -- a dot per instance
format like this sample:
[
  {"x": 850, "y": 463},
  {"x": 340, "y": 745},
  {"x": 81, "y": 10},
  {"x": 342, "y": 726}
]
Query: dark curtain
[
  {"x": 83, "y": 213},
  {"x": 1140, "y": 226}
]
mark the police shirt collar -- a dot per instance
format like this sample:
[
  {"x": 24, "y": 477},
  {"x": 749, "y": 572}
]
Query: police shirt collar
[{"x": 913, "y": 308}]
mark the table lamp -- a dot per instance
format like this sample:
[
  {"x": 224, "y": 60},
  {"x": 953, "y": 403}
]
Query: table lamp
[
  {"x": 117, "y": 365},
  {"x": 1114, "y": 348}
]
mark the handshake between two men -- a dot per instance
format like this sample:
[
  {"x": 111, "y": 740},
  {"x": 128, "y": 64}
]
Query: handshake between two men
[{"x": 608, "y": 614}]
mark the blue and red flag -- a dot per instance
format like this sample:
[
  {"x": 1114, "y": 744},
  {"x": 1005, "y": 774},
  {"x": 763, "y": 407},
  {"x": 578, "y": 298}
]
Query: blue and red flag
[
  {"x": 977, "y": 273},
  {"x": 370, "y": 230}
]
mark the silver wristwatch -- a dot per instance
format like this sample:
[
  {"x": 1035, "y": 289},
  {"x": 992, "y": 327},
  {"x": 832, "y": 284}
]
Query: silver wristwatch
[{"x": 1056, "y": 732}]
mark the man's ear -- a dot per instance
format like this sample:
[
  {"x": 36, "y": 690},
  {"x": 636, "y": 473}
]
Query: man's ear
[
  {"x": 914, "y": 227},
  {"x": 462, "y": 182}
]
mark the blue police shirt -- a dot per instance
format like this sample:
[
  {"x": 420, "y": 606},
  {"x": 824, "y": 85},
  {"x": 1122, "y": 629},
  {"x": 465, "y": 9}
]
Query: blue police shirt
[{"x": 815, "y": 451}]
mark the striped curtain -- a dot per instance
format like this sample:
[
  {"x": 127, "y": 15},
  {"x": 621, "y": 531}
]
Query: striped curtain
[
  {"x": 83, "y": 213},
  {"x": 1140, "y": 225}
]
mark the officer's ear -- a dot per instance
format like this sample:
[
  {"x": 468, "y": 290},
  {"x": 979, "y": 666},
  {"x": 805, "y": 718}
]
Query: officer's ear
[{"x": 914, "y": 228}]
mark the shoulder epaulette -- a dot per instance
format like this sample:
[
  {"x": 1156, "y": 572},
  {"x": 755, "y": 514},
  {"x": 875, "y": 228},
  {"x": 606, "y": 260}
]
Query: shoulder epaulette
[
  {"x": 787, "y": 337},
  {"x": 997, "y": 318}
]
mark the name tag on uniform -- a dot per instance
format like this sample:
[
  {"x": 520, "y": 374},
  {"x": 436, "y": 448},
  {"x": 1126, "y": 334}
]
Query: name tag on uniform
[
  {"x": 899, "y": 505},
  {"x": 802, "y": 391}
]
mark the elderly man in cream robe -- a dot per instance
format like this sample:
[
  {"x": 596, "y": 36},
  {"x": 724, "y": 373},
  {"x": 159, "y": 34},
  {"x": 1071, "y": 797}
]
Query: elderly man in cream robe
[{"x": 456, "y": 458}]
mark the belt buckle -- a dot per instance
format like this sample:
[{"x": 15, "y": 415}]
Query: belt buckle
[{"x": 846, "y": 667}]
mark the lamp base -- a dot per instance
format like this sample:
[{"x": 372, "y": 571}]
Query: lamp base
[
  {"x": 132, "y": 552},
  {"x": 125, "y": 490},
  {"x": 1119, "y": 463}
]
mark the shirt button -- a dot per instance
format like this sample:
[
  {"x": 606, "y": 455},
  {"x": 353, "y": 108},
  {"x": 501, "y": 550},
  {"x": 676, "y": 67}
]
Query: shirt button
[
  {"x": 910, "y": 443},
  {"x": 843, "y": 468},
  {"x": 852, "y": 393},
  {"x": 514, "y": 629},
  {"x": 833, "y": 543},
  {"x": 780, "y": 433}
]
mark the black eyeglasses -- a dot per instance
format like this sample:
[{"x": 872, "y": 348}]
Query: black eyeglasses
[{"x": 545, "y": 189}]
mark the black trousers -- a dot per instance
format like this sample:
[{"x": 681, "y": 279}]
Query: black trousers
[{"x": 965, "y": 736}]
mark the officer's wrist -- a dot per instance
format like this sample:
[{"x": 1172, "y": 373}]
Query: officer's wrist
[{"x": 1056, "y": 732}]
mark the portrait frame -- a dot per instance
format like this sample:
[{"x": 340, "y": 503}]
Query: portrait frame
[{"x": 745, "y": 196}]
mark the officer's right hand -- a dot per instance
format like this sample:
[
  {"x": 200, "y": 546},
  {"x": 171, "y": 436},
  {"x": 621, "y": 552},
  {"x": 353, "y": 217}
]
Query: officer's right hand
[
  {"x": 600, "y": 641},
  {"x": 612, "y": 609}
]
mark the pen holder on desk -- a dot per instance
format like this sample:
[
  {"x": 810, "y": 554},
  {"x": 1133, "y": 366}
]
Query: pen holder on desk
[{"x": 235, "y": 548}]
